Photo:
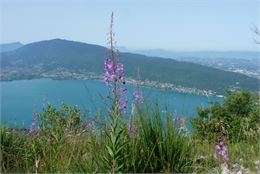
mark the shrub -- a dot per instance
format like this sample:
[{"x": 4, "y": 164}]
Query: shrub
[
  {"x": 55, "y": 122},
  {"x": 237, "y": 118}
]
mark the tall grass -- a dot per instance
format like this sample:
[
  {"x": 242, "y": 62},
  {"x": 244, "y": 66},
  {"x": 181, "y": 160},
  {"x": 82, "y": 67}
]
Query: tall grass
[
  {"x": 64, "y": 144},
  {"x": 158, "y": 147}
]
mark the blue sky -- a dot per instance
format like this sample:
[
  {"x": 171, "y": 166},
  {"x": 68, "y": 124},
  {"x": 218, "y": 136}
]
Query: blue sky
[{"x": 181, "y": 25}]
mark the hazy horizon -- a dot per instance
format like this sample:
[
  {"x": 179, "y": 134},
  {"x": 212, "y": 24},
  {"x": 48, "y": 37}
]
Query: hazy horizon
[
  {"x": 137, "y": 49},
  {"x": 169, "y": 25}
]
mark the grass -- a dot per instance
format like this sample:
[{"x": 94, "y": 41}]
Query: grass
[
  {"x": 153, "y": 145},
  {"x": 242, "y": 154}
]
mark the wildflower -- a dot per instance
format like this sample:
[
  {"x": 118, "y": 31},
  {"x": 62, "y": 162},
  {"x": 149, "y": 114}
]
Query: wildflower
[
  {"x": 221, "y": 150},
  {"x": 180, "y": 121},
  {"x": 115, "y": 75},
  {"x": 110, "y": 65},
  {"x": 106, "y": 80},
  {"x": 138, "y": 96}
]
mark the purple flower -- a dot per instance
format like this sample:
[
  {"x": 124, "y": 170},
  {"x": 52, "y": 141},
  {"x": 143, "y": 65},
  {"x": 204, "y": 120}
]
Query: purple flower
[
  {"x": 180, "y": 123},
  {"x": 224, "y": 148},
  {"x": 225, "y": 156},
  {"x": 138, "y": 96},
  {"x": 123, "y": 104},
  {"x": 110, "y": 65},
  {"x": 106, "y": 80},
  {"x": 114, "y": 75},
  {"x": 221, "y": 150},
  {"x": 180, "y": 120}
]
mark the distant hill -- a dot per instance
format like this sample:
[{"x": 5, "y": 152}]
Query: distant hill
[
  {"x": 195, "y": 54},
  {"x": 10, "y": 46},
  {"x": 57, "y": 53},
  {"x": 243, "y": 62}
]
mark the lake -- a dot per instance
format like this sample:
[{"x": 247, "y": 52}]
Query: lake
[{"x": 21, "y": 98}]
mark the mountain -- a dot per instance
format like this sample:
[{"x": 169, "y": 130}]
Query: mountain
[
  {"x": 57, "y": 55},
  {"x": 10, "y": 46},
  {"x": 243, "y": 62}
]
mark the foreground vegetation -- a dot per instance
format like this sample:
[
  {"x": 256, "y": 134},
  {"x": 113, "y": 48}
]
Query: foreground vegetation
[{"x": 63, "y": 140}]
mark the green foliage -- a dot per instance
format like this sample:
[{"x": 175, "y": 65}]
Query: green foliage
[
  {"x": 11, "y": 149},
  {"x": 237, "y": 118},
  {"x": 56, "y": 123},
  {"x": 64, "y": 144},
  {"x": 61, "y": 145},
  {"x": 115, "y": 143}
]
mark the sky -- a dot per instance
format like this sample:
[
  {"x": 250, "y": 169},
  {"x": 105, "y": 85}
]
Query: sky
[{"x": 179, "y": 25}]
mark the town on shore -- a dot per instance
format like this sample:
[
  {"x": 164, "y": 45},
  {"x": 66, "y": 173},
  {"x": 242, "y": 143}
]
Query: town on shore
[{"x": 65, "y": 74}]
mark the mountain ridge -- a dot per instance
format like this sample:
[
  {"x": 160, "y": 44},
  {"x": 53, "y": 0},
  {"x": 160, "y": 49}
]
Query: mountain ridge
[{"x": 50, "y": 55}]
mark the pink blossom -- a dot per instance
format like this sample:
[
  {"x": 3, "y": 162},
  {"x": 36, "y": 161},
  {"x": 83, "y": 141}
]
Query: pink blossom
[
  {"x": 115, "y": 75},
  {"x": 106, "y": 80}
]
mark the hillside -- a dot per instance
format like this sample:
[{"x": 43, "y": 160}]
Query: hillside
[
  {"x": 52, "y": 55},
  {"x": 243, "y": 62}
]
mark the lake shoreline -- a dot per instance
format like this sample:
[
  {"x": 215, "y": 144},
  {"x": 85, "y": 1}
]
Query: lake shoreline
[{"x": 144, "y": 83}]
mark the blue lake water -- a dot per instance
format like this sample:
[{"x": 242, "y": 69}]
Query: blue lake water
[{"x": 21, "y": 98}]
